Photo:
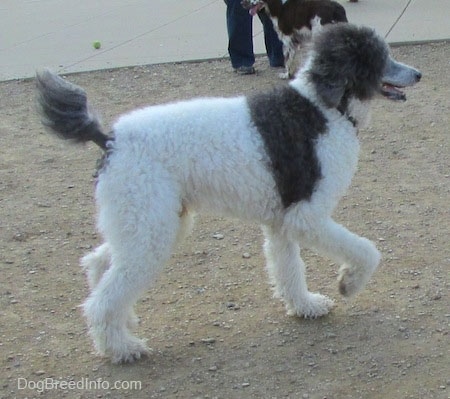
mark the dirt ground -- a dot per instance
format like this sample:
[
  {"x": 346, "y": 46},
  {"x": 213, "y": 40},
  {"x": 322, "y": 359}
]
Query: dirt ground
[{"x": 213, "y": 325}]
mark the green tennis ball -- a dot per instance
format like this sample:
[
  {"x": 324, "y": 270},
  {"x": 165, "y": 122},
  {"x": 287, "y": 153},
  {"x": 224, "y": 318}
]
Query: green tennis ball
[{"x": 97, "y": 44}]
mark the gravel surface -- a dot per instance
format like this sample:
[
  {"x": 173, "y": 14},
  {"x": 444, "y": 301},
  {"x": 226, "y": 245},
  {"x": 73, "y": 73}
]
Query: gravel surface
[{"x": 211, "y": 320}]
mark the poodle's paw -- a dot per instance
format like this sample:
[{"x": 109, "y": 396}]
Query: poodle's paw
[
  {"x": 117, "y": 343},
  {"x": 284, "y": 75},
  {"x": 352, "y": 279},
  {"x": 348, "y": 285},
  {"x": 312, "y": 306},
  {"x": 130, "y": 351}
]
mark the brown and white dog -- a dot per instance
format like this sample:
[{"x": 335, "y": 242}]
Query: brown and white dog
[{"x": 295, "y": 21}]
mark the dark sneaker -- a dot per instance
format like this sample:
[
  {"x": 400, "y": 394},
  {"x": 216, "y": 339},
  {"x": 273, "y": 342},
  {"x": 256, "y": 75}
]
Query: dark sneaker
[{"x": 245, "y": 70}]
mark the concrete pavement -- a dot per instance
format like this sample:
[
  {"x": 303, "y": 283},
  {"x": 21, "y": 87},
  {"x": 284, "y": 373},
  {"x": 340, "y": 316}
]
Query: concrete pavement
[{"x": 59, "y": 33}]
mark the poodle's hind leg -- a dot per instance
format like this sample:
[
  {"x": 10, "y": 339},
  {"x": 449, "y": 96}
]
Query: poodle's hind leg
[
  {"x": 359, "y": 256},
  {"x": 96, "y": 263},
  {"x": 287, "y": 273},
  {"x": 109, "y": 308},
  {"x": 140, "y": 239}
]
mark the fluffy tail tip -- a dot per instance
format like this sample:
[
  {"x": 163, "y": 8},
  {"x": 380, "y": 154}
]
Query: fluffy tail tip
[{"x": 65, "y": 111}]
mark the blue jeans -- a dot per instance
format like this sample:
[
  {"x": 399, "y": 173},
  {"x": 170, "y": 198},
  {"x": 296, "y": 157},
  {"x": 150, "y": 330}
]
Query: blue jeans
[{"x": 240, "y": 37}]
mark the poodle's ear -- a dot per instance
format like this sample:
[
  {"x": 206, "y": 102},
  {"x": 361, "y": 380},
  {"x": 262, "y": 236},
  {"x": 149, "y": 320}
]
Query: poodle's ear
[{"x": 330, "y": 93}]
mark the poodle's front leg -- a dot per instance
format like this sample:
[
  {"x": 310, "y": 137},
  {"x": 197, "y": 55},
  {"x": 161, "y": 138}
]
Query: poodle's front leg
[
  {"x": 359, "y": 256},
  {"x": 287, "y": 273}
]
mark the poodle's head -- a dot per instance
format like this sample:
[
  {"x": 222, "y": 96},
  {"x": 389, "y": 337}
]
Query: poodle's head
[{"x": 351, "y": 62}]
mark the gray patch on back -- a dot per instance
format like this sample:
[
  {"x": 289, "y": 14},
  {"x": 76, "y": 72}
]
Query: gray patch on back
[{"x": 289, "y": 125}]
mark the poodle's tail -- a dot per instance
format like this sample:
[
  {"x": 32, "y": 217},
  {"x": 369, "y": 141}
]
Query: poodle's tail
[{"x": 65, "y": 110}]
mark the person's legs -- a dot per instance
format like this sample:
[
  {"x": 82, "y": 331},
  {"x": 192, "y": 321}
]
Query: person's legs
[
  {"x": 240, "y": 40},
  {"x": 274, "y": 47}
]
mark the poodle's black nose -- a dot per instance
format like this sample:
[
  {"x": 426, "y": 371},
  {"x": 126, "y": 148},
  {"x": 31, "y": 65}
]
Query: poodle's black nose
[{"x": 418, "y": 76}]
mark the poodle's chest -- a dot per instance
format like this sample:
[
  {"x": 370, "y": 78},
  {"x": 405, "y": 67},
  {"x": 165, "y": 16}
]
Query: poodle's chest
[{"x": 338, "y": 154}]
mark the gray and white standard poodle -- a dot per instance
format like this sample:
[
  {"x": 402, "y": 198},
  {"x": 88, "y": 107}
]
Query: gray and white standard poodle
[{"x": 281, "y": 158}]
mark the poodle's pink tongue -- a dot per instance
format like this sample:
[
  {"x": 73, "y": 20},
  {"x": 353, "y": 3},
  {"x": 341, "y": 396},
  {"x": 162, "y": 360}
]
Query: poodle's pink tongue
[{"x": 255, "y": 9}]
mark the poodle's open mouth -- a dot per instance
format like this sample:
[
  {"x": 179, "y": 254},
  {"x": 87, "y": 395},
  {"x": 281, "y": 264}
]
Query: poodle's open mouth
[
  {"x": 397, "y": 76},
  {"x": 392, "y": 92}
]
